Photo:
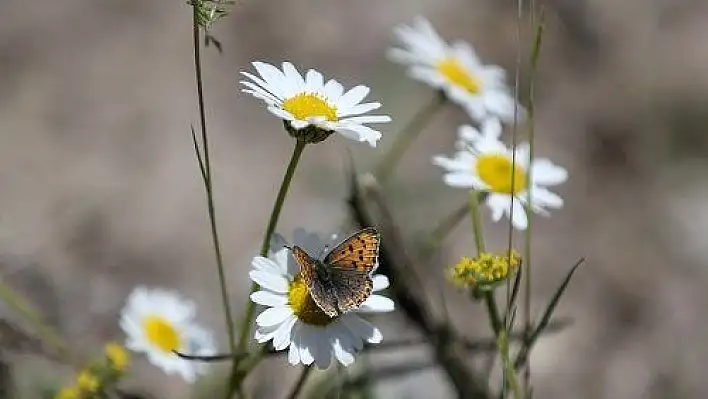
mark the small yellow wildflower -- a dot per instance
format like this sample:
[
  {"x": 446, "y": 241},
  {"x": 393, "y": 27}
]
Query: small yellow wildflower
[
  {"x": 117, "y": 356},
  {"x": 484, "y": 271},
  {"x": 87, "y": 381},
  {"x": 72, "y": 392}
]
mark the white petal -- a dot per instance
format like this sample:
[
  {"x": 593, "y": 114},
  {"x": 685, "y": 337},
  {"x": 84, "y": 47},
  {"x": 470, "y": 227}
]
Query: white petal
[
  {"x": 267, "y": 298},
  {"x": 281, "y": 338},
  {"x": 333, "y": 90},
  {"x": 492, "y": 128},
  {"x": 306, "y": 335},
  {"x": 376, "y": 304},
  {"x": 293, "y": 77},
  {"x": 273, "y": 316},
  {"x": 273, "y": 77},
  {"x": 546, "y": 173},
  {"x": 545, "y": 198},
  {"x": 362, "y": 329},
  {"x": 265, "y": 264},
  {"x": 314, "y": 80},
  {"x": 366, "y": 119},
  {"x": 270, "y": 281},
  {"x": 358, "y": 109},
  {"x": 464, "y": 180},
  {"x": 353, "y": 97},
  {"x": 294, "y": 353},
  {"x": 380, "y": 282},
  {"x": 280, "y": 113},
  {"x": 360, "y": 133},
  {"x": 499, "y": 205},
  {"x": 322, "y": 351},
  {"x": 520, "y": 221}
]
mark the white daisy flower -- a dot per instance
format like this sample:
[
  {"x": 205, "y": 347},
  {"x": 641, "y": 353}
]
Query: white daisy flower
[
  {"x": 456, "y": 70},
  {"x": 486, "y": 165},
  {"x": 313, "y": 108},
  {"x": 293, "y": 320},
  {"x": 158, "y": 322}
]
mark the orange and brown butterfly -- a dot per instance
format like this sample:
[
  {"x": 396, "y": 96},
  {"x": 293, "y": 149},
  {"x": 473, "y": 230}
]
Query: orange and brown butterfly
[{"x": 341, "y": 281}]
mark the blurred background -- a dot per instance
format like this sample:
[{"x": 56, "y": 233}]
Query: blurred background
[{"x": 100, "y": 191}]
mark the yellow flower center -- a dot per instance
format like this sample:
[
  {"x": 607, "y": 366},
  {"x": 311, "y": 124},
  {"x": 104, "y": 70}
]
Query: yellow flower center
[
  {"x": 458, "y": 75},
  {"x": 487, "y": 269},
  {"x": 497, "y": 172},
  {"x": 160, "y": 332},
  {"x": 307, "y": 105},
  {"x": 87, "y": 382},
  {"x": 304, "y": 306},
  {"x": 117, "y": 356}
]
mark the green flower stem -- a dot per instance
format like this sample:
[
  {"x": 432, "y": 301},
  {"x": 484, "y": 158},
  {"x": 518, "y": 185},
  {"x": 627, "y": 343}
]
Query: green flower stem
[
  {"x": 490, "y": 301},
  {"x": 265, "y": 245},
  {"x": 406, "y": 137},
  {"x": 34, "y": 319},
  {"x": 300, "y": 382},
  {"x": 237, "y": 375},
  {"x": 207, "y": 177}
]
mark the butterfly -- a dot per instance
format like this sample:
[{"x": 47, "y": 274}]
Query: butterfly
[{"x": 341, "y": 281}]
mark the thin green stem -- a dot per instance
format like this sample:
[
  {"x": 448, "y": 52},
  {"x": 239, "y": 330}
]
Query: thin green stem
[
  {"x": 272, "y": 223},
  {"x": 489, "y": 300},
  {"x": 207, "y": 177},
  {"x": 238, "y": 375},
  {"x": 529, "y": 212},
  {"x": 300, "y": 382},
  {"x": 406, "y": 137},
  {"x": 35, "y": 320}
]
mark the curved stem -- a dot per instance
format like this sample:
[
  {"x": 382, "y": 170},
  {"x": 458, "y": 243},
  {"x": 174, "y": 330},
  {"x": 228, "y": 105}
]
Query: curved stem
[
  {"x": 406, "y": 137},
  {"x": 300, "y": 382},
  {"x": 236, "y": 376},
  {"x": 490, "y": 301},
  {"x": 206, "y": 173},
  {"x": 265, "y": 245}
]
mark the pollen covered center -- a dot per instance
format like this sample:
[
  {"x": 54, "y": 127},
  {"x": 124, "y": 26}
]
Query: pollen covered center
[
  {"x": 457, "y": 74},
  {"x": 497, "y": 171},
  {"x": 161, "y": 333},
  {"x": 304, "y": 306},
  {"x": 308, "y": 105}
]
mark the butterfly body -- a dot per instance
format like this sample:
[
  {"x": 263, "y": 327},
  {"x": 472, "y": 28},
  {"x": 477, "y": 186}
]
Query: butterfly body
[{"x": 341, "y": 281}]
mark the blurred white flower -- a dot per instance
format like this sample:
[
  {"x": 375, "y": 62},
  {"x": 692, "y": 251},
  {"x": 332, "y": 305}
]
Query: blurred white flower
[
  {"x": 456, "y": 70},
  {"x": 293, "y": 320},
  {"x": 158, "y": 322},
  {"x": 311, "y": 107},
  {"x": 484, "y": 163}
]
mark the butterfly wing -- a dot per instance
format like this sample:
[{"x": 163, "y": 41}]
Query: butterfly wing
[
  {"x": 350, "y": 265},
  {"x": 360, "y": 251},
  {"x": 351, "y": 287},
  {"x": 324, "y": 298}
]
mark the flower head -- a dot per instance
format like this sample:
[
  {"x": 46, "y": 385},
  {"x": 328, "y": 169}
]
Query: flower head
[
  {"x": 87, "y": 381},
  {"x": 485, "y": 164},
  {"x": 292, "y": 319},
  {"x": 311, "y": 108},
  {"x": 455, "y": 69},
  {"x": 118, "y": 358},
  {"x": 158, "y": 322},
  {"x": 485, "y": 271}
]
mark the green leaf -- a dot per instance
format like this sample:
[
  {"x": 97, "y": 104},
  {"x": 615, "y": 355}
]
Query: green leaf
[{"x": 554, "y": 302}]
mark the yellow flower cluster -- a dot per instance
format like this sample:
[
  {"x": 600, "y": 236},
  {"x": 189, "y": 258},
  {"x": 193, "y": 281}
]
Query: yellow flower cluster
[
  {"x": 484, "y": 271},
  {"x": 96, "y": 376}
]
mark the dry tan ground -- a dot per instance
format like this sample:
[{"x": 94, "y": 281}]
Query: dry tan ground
[{"x": 100, "y": 189}]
